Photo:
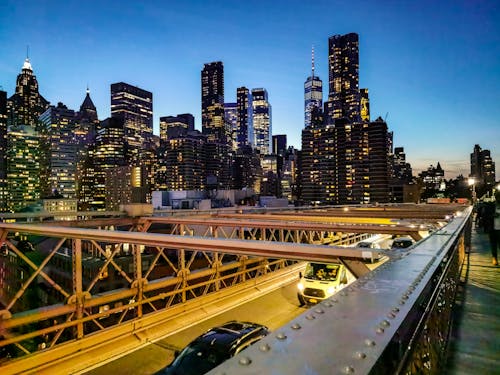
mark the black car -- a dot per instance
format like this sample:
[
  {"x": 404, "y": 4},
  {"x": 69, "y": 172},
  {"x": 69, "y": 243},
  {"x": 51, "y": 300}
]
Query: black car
[
  {"x": 402, "y": 243},
  {"x": 214, "y": 347}
]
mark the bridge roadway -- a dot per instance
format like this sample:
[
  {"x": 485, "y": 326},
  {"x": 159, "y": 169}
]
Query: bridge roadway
[
  {"x": 474, "y": 346},
  {"x": 273, "y": 309}
]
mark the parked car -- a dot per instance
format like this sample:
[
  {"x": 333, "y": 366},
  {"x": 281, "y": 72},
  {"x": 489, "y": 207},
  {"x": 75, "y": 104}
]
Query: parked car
[
  {"x": 214, "y": 347},
  {"x": 371, "y": 245},
  {"x": 402, "y": 243}
]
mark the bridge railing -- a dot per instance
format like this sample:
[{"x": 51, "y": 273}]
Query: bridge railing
[{"x": 395, "y": 320}]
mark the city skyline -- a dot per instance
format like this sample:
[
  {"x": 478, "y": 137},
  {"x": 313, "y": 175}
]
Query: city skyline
[{"x": 430, "y": 70}]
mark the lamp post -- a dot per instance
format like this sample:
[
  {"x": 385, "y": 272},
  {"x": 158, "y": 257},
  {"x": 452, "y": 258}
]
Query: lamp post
[{"x": 472, "y": 185}]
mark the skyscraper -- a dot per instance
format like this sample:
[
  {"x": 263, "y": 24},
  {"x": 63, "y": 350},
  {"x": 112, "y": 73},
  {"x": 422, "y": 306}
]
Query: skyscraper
[
  {"x": 313, "y": 93},
  {"x": 134, "y": 106},
  {"x": 343, "y": 77},
  {"x": 262, "y": 121},
  {"x": 26, "y": 104},
  {"x": 215, "y": 126},
  {"x": 59, "y": 169},
  {"x": 244, "y": 131},
  {"x": 3, "y": 151},
  {"x": 174, "y": 126},
  {"x": 231, "y": 118},
  {"x": 365, "y": 105},
  {"x": 482, "y": 168},
  {"x": 212, "y": 102}
]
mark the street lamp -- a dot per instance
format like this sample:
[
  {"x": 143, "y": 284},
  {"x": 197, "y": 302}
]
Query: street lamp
[{"x": 472, "y": 185}]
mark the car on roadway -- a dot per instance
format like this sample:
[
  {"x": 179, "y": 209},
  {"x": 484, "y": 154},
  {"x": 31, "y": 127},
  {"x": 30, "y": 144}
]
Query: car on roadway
[
  {"x": 214, "y": 347},
  {"x": 402, "y": 243},
  {"x": 367, "y": 244}
]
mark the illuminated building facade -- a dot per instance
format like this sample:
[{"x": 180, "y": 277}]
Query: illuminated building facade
[
  {"x": 365, "y": 105},
  {"x": 26, "y": 104},
  {"x": 173, "y": 126},
  {"x": 184, "y": 158},
  {"x": 343, "y": 78},
  {"x": 23, "y": 167},
  {"x": 3, "y": 151},
  {"x": 231, "y": 117},
  {"x": 482, "y": 168},
  {"x": 108, "y": 155},
  {"x": 215, "y": 127},
  {"x": 244, "y": 131},
  {"x": 262, "y": 121},
  {"x": 60, "y": 152},
  {"x": 134, "y": 107},
  {"x": 313, "y": 94}
]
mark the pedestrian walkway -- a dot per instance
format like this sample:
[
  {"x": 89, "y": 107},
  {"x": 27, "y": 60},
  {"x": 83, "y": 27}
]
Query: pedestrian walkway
[{"x": 475, "y": 342}]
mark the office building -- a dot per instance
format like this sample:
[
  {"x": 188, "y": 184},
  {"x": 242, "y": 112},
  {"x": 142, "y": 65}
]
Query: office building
[
  {"x": 313, "y": 93},
  {"x": 244, "y": 125},
  {"x": 482, "y": 169},
  {"x": 262, "y": 121},
  {"x": 364, "y": 105},
  {"x": 231, "y": 117},
  {"x": 3, "y": 151},
  {"x": 26, "y": 105},
  {"x": 343, "y": 78},
  {"x": 23, "y": 167},
  {"x": 59, "y": 152},
  {"x": 134, "y": 107}
]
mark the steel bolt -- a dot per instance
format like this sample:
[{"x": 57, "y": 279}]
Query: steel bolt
[
  {"x": 281, "y": 336},
  {"x": 348, "y": 370},
  {"x": 310, "y": 317},
  {"x": 244, "y": 361},
  {"x": 369, "y": 342},
  {"x": 296, "y": 326},
  {"x": 360, "y": 355},
  {"x": 265, "y": 348}
]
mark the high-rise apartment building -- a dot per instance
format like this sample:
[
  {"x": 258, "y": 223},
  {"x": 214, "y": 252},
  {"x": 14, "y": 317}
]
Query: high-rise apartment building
[
  {"x": 3, "y": 151},
  {"x": 26, "y": 105},
  {"x": 343, "y": 78},
  {"x": 244, "y": 125},
  {"x": 175, "y": 126},
  {"x": 133, "y": 106},
  {"x": 262, "y": 121},
  {"x": 215, "y": 127},
  {"x": 60, "y": 152},
  {"x": 279, "y": 144},
  {"x": 313, "y": 94}
]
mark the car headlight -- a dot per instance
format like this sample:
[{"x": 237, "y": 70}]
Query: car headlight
[
  {"x": 330, "y": 290},
  {"x": 300, "y": 286}
]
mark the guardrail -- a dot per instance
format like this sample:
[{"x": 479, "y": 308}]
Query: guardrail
[{"x": 394, "y": 320}]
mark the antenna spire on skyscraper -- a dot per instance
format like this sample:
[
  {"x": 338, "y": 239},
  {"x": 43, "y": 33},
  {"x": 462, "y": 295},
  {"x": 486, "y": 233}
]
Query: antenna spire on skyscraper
[{"x": 312, "y": 61}]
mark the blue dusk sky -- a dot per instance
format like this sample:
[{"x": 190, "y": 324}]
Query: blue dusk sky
[{"x": 432, "y": 67}]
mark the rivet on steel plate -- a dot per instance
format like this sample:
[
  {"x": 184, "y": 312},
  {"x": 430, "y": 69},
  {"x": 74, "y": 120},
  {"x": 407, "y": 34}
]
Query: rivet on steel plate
[
  {"x": 395, "y": 310},
  {"x": 385, "y": 323},
  {"x": 327, "y": 304},
  {"x": 379, "y": 330},
  {"x": 310, "y": 317},
  {"x": 265, "y": 348},
  {"x": 343, "y": 293},
  {"x": 281, "y": 336},
  {"x": 360, "y": 355},
  {"x": 348, "y": 370},
  {"x": 319, "y": 311},
  {"x": 402, "y": 302},
  {"x": 244, "y": 361},
  {"x": 391, "y": 315},
  {"x": 369, "y": 342},
  {"x": 296, "y": 326}
]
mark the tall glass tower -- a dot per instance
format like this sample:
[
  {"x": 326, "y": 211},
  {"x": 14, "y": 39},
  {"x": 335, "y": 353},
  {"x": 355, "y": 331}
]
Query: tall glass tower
[
  {"x": 313, "y": 93},
  {"x": 262, "y": 124},
  {"x": 343, "y": 77}
]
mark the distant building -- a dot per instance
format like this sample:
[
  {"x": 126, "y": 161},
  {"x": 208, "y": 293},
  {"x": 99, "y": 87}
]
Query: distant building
[
  {"x": 174, "y": 126},
  {"x": 343, "y": 78},
  {"x": 433, "y": 177},
  {"x": 313, "y": 93},
  {"x": 215, "y": 127},
  {"x": 3, "y": 151},
  {"x": 279, "y": 144},
  {"x": 59, "y": 152},
  {"x": 134, "y": 107},
  {"x": 244, "y": 127},
  {"x": 262, "y": 121},
  {"x": 26, "y": 105},
  {"x": 365, "y": 105},
  {"x": 23, "y": 167},
  {"x": 231, "y": 117},
  {"x": 482, "y": 168}
]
